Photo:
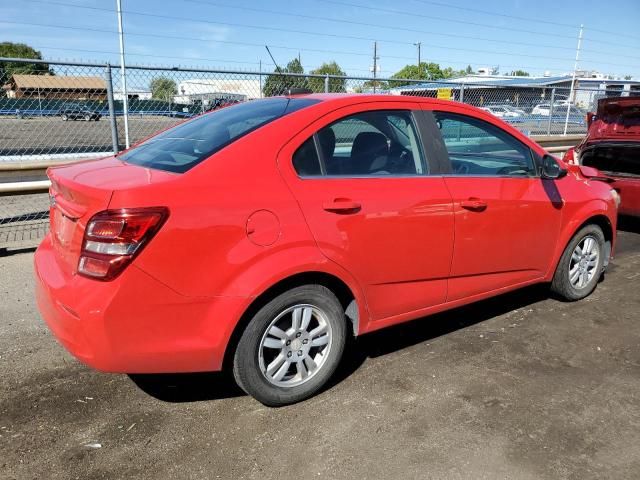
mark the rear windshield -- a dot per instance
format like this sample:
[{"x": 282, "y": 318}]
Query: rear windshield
[{"x": 184, "y": 146}]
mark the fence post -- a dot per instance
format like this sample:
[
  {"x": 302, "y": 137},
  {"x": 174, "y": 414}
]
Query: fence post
[
  {"x": 326, "y": 83},
  {"x": 553, "y": 99},
  {"x": 461, "y": 99},
  {"x": 112, "y": 110}
]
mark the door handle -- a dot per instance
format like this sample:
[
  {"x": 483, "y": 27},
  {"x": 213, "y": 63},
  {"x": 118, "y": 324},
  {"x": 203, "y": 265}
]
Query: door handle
[
  {"x": 341, "y": 205},
  {"x": 474, "y": 204}
]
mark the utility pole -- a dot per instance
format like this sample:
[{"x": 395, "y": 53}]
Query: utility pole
[
  {"x": 375, "y": 64},
  {"x": 418, "y": 44},
  {"x": 573, "y": 80},
  {"x": 260, "y": 77},
  {"x": 123, "y": 76}
]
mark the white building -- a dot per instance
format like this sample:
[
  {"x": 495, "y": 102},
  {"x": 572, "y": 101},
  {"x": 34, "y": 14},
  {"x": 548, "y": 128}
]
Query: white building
[
  {"x": 133, "y": 94},
  {"x": 208, "y": 89}
]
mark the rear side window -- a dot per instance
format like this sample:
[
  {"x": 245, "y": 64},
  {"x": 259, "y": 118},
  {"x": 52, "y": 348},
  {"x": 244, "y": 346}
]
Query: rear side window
[
  {"x": 479, "y": 148},
  {"x": 375, "y": 143},
  {"x": 184, "y": 146}
]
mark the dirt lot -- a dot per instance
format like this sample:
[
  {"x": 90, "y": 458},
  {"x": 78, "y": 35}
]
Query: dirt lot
[{"x": 518, "y": 387}]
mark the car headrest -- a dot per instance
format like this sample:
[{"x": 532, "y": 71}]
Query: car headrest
[
  {"x": 370, "y": 145},
  {"x": 327, "y": 139}
]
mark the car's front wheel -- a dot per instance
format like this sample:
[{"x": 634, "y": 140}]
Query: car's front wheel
[
  {"x": 65, "y": 117},
  {"x": 581, "y": 264},
  {"x": 291, "y": 346}
]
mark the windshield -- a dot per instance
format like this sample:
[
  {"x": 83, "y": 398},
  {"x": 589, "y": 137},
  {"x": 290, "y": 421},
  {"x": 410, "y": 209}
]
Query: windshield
[{"x": 184, "y": 146}]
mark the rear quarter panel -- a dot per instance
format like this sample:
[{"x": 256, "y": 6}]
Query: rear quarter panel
[{"x": 204, "y": 250}]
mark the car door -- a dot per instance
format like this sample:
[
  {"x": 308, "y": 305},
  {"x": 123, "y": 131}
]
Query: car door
[
  {"x": 507, "y": 218},
  {"x": 362, "y": 180}
]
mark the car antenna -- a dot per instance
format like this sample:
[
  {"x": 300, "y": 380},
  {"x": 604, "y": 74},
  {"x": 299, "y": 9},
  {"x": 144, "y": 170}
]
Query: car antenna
[{"x": 273, "y": 59}]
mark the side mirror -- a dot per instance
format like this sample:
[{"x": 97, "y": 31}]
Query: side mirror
[{"x": 551, "y": 169}]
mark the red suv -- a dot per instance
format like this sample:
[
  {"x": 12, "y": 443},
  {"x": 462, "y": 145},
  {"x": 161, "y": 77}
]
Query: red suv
[
  {"x": 612, "y": 145},
  {"x": 259, "y": 236}
]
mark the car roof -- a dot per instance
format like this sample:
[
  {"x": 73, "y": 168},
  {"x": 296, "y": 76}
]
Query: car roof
[{"x": 351, "y": 98}]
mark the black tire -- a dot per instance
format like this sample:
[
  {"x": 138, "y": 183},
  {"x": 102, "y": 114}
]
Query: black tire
[
  {"x": 87, "y": 118},
  {"x": 561, "y": 284},
  {"x": 246, "y": 363},
  {"x": 64, "y": 117}
]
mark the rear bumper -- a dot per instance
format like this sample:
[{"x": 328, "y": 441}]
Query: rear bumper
[{"x": 133, "y": 324}]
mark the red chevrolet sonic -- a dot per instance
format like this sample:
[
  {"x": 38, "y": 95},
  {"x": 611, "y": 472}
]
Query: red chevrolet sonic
[{"x": 257, "y": 237}]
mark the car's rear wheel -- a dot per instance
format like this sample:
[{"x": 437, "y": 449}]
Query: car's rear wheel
[
  {"x": 65, "y": 117},
  {"x": 87, "y": 117},
  {"x": 291, "y": 346},
  {"x": 581, "y": 264}
]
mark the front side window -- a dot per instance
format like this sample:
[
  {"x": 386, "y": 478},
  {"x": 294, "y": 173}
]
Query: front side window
[
  {"x": 375, "y": 143},
  {"x": 184, "y": 146},
  {"x": 477, "y": 148}
]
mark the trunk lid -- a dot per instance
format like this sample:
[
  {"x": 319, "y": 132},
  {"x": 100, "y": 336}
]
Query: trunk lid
[
  {"x": 617, "y": 117},
  {"x": 80, "y": 190}
]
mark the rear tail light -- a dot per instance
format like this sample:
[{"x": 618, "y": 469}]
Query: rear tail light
[
  {"x": 113, "y": 238},
  {"x": 569, "y": 157}
]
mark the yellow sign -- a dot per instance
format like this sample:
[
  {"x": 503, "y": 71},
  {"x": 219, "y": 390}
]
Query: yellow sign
[{"x": 444, "y": 93}]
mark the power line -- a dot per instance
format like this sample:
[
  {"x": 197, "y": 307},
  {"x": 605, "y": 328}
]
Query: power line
[
  {"x": 195, "y": 39},
  {"x": 315, "y": 50},
  {"x": 376, "y": 25},
  {"x": 261, "y": 27},
  {"x": 214, "y": 22},
  {"x": 524, "y": 19},
  {"x": 496, "y": 14},
  {"x": 444, "y": 19}
]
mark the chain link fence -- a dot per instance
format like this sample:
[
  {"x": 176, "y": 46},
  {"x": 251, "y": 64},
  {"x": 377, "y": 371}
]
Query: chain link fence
[{"x": 56, "y": 112}]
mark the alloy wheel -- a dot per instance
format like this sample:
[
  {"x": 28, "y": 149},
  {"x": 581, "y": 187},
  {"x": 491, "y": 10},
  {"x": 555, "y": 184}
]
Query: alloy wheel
[
  {"x": 584, "y": 262},
  {"x": 295, "y": 346}
]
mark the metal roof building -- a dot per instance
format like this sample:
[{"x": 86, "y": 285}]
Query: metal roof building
[
  {"x": 56, "y": 87},
  {"x": 482, "y": 90}
]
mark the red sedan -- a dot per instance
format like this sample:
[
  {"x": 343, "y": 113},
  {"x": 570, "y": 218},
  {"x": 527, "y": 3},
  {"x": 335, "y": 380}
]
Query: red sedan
[
  {"x": 612, "y": 145},
  {"x": 259, "y": 236}
]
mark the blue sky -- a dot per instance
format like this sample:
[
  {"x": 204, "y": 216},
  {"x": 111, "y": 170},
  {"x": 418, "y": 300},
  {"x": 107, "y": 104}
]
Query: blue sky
[{"x": 530, "y": 35}]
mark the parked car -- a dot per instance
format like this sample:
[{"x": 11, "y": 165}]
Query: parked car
[
  {"x": 78, "y": 111},
  {"x": 559, "y": 109},
  {"x": 259, "y": 236},
  {"x": 612, "y": 145},
  {"x": 501, "y": 111},
  {"x": 507, "y": 108}
]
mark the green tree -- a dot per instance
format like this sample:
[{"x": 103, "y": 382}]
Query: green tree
[
  {"x": 519, "y": 73},
  {"x": 276, "y": 84},
  {"x": 336, "y": 85},
  {"x": 20, "y": 50},
  {"x": 468, "y": 70},
  {"x": 450, "y": 73},
  {"x": 369, "y": 85},
  {"x": 628, "y": 77},
  {"x": 424, "y": 71},
  {"x": 163, "y": 88}
]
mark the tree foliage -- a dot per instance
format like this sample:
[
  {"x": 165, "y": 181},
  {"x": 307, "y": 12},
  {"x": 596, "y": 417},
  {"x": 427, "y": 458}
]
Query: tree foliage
[
  {"x": 519, "y": 73},
  {"x": 425, "y": 71},
  {"x": 336, "y": 85},
  {"x": 20, "y": 50},
  {"x": 163, "y": 88},
  {"x": 276, "y": 84}
]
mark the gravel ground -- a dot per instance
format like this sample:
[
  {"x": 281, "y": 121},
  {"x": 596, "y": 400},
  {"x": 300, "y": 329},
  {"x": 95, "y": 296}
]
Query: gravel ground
[{"x": 517, "y": 387}]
